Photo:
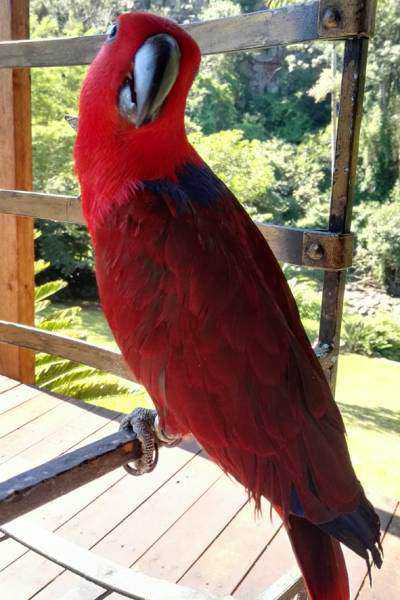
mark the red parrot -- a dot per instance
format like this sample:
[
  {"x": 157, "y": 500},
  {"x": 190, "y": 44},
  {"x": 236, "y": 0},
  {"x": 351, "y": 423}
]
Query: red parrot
[{"x": 200, "y": 308}]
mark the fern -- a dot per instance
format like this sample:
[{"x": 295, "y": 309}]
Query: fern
[
  {"x": 61, "y": 375},
  {"x": 49, "y": 289}
]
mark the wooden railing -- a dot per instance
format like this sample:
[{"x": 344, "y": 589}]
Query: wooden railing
[{"x": 330, "y": 250}]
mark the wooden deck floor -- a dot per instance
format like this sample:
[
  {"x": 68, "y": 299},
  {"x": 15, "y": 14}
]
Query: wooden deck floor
[{"x": 186, "y": 522}]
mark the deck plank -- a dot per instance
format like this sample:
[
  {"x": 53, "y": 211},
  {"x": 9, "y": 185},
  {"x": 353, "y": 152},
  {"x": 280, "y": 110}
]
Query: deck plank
[
  {"x": 7, "y": 384},
  {"x": 185, "y": 522},
  {"x": 27, "y": 411},
  {"x": 276, "y": 559},
  {"x": 128, "y": 542},
  {"x": 16, "y": 396},
  {"x": 386, "y": 581},
  {"x": 171, "y": 556},
  {"x": 222, "y": 567},
  {"x": 64, "y": 415}
]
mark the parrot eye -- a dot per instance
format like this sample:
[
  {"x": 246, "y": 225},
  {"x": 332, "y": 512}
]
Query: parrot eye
[{"x": 112, "y": 32}]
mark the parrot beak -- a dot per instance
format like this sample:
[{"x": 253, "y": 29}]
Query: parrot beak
[{"x": 156, "y": 67}]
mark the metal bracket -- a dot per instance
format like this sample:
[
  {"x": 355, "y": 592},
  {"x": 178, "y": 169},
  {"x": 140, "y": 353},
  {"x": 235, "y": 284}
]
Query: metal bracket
[
  {"x": 321, "y": 248},
  {"x": 346, "y": 17}
]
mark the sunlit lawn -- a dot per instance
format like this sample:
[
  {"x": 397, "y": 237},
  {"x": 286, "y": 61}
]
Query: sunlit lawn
[{"x": 368, "y": 392}]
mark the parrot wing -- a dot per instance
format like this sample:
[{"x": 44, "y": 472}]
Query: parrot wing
[{"x": 228, "y": 359}]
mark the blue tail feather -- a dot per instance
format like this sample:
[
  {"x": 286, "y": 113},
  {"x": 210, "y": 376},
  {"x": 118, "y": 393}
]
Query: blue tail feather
[{"x": 358, "y": 530}]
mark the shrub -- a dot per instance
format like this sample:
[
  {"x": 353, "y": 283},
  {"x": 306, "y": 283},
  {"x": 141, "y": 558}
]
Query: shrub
[
  {"x": 378, "y": 249},
  {"x": 378, "y": 335},
  {"x": 307, "y": 297}
]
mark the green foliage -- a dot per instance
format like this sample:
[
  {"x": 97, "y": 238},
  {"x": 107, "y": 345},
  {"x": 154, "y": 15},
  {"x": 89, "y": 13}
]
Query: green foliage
[
  {"x": 243, "y": 165},
  {"x": 61, "y": 375},
  {"x": 273, "y": 180},
  {"x": 380, "y": 132},
  {"x": 211, "y": 104},
  {"x": 358, "y": 335},
  {"x": 378, "y": 335},
  {"x": 67, "y": 245},
  {"x": 378, "y": 250},
  {"x": 308, "y": 300}
]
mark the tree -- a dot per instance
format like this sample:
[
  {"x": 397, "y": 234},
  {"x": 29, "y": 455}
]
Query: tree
[{"x": 380, "y": 133}]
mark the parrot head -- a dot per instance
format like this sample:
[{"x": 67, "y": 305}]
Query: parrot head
[{"x": 132, "y": 102}]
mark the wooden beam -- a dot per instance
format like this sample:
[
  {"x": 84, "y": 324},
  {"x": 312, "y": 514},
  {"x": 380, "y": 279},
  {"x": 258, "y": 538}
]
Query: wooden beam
[
  {"x": 67, "y": 472},
  {"x": 89, "y": 354},
  {"x": 263, "y": 29},
  {"x": 99, "y": 570},
  {"x": 316, "y": 249},
  {"x": 54, "y": 207},
  {"x": 58, "y": 345}
]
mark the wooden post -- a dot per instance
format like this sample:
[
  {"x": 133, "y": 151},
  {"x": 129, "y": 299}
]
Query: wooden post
[{"x": 16, "y": 233}]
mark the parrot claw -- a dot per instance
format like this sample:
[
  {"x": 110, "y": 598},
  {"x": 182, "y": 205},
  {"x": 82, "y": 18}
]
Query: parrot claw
[{"x": 144, "y": 422}]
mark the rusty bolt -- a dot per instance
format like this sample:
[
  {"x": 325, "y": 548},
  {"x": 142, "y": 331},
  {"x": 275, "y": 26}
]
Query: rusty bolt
[
  {"x": 315, "y": 251},
  {"x": 331, "y": 18}
]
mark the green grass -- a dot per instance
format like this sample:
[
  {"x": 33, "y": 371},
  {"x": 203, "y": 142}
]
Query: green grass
[
  {"x": 95, "y": 327},
  {"x": 368, "y": 397},
  {"x": 367, "y": 393}
]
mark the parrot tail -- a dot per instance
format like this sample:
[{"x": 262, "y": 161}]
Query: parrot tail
[
  {"x": 320, "y": 559},
  {"x": 318, "y": 551}
]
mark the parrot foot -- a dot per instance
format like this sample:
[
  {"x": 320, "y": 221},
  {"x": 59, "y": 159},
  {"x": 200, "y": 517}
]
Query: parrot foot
[{"x": 144, "y": 422}]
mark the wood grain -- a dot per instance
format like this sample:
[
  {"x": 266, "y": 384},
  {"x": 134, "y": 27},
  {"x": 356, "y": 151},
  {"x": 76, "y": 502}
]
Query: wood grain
[
  {"x": 263, "y": 29},
  {"x": 16, "y": 240},
  {"x": 42, "y": 206},
  {"x": 276, "y": 560},
  {"x": 6, "y": 383},
  {"x": 16, "y": 396},
  {"x": 97, "y": 569},
  {"x": 75, "y": 350},
  {"x": 171, "y": 556},
  {"x": 34, "y": 431},
  {"x": 31, "y": 489},
  {"x": 37, "y": 405},
  {"x": 335, "y": 250},
  {"x": 285, "y": 588},
  {"x": 233, "y": 552}
]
